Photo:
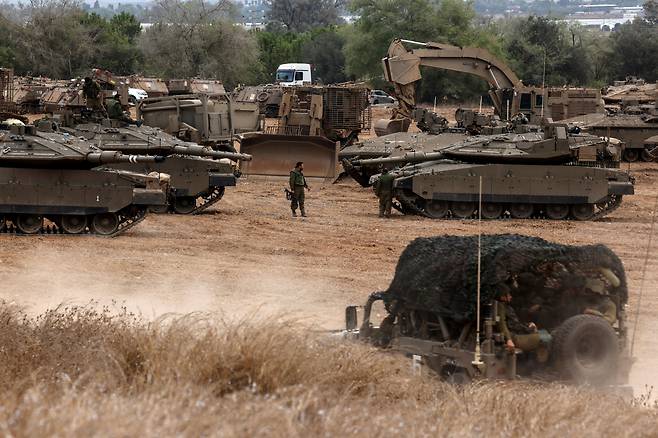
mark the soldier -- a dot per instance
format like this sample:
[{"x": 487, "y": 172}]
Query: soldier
[
  {"x": 297, "y": 186},
  {"x": 384, "y": 191},
  {"x": 115, "y": 111},
  {"x": 92, "y": 93},
  {"x": 516, "y": 334}
]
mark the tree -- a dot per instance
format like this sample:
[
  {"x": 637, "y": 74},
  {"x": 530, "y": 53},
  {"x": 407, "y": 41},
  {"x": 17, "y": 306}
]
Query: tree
[
  {"x": 651, "y": 11},
  {"x": 196, "y": 39},
  {"x": 543, "y": 50},
  {"x": 446, "y": 21},
  {"x": 304, "y": 15},
  {"x": 634, "y": 48},
  {"x": 324, "y": 50}
]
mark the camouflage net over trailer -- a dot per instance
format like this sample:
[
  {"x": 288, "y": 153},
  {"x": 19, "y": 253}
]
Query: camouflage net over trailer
[{"x": 439, "y": 274}]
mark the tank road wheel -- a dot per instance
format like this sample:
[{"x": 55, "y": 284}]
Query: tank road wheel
[
  {"x": 491, "y": 210},
  {"x": 631, "y": 155},
  {"x": 184, "y": 204},
  {"x": 29, "y": 223},
  {"x": 462, "y": 210},
  {"x": 105, "y": 223},
  {"x": 436, "y": 209},
  {"x": 73, "y": 223},
  {"x": 582, "y": 212},
  {"x": 159, "y": 209},
  {"x": 521, "y": 211},
  {"x": 646, "y": 155},
  {"x": 585, "y": 349},
  {"x": 557, "y": 211}
]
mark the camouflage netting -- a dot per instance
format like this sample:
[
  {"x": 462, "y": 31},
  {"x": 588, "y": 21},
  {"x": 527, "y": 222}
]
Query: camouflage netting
[{"x": 439, "y": 274}]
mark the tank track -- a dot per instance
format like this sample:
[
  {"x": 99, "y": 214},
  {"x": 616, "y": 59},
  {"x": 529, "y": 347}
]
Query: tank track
[
  {"x": 212, "y": 196},
  {"x": 408, "y": 205},
  {"x": 127, "y": 220}
]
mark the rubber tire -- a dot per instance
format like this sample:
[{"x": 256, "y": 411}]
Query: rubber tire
[
  {"x": 553, "y": 213},
  {"x": 523, "y": 214},
  {"x": 104, "y": 224},
  {"x": 631, "y": 155},
  {"x": 184, "y": 204},
  {"x": 570, "y": 336},
  {"x": 28, "y": 228},
  {"x": 436, "y": 209},
  {"x": 491, "y": 210},
  {"x": 582, "y": 212},
  {"x": 462, "y": 210},
  {"x": 73, "y": 228}
]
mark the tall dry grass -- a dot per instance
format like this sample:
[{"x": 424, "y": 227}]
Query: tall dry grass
[{"x": 80, "y": 371}]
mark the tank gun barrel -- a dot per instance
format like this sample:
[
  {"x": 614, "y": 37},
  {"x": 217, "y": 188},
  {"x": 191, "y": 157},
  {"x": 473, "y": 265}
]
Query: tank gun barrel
[
  {"x": 111, "y": 157},
  {"x": 202, "y": 151},
  {"x": 409, "y": 157}
]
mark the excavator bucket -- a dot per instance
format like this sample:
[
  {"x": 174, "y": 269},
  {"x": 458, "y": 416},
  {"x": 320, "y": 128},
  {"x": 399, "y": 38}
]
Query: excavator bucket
[
  {"x": 276, "y": 154},
  {"x": 391, "y": 126}
]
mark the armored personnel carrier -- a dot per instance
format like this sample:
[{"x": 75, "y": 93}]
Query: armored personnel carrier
[
  {"x": 552, "y": 174},
  {"x": 66, "y": 181},
  {"x": 546, "y": 311},
  {"x": 199, "y": 175}
]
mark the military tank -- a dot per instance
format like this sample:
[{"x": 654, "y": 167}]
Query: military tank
[
  {"x": 551, "y": 175},
  {"x": 358, "y": 159},
  {"x": 199, "y": 175},
  {"x": 55, "y": 183}
]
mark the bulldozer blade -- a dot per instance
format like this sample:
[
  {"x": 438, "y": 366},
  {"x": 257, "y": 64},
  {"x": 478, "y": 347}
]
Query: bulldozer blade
[
  {"x": 391, "y": 126},
  {"x": 275, "y": 154}
]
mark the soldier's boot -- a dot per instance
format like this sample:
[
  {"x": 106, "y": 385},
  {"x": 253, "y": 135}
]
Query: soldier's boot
[
  {"x": 303, "y": 212},
  {"x": 294, "y": 212}
]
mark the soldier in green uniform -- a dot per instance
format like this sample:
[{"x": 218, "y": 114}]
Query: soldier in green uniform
[
  {"x": 115, "y": 111},
  {"x": 384, "y": 191},
  {"x": 516, "y": 334},
  {"x": 92, "y": 94},
  {"x": 297, "y": 186}
]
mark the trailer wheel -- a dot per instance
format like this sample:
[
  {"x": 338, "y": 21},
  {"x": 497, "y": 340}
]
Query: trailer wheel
[
  {"x": 585, "y": 349},
  {"x": 455, "y": 375}
]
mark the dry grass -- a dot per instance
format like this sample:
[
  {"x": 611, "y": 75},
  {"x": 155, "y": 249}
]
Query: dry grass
[{"x": 78, "y": 371}]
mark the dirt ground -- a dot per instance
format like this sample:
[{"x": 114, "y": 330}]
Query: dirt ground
[{"x": 246, "y": 256}]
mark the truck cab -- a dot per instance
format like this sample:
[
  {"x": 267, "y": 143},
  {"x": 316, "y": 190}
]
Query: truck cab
[{"x": 293, "y": 74}]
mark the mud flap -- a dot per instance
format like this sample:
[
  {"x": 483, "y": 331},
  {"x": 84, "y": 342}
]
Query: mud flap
[{"x": 276, "y": 155}]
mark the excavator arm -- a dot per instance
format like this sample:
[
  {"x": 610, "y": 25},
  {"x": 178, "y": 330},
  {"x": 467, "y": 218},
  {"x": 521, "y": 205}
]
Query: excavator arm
[{"x": 402, "y": 69}]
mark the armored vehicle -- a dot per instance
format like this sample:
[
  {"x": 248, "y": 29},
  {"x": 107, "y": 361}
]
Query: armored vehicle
[
  {"x": 209, "y": 119},
  {"x": 632, "y": 129},
  {"x": 199, "y": 175},
  {"x": 355, "y": 158},
  {"x": 314, "y": 123},
  {"x": 551, "y": 174},
  {"x": 530, "y": 308},
  {"x": 65, "y": 180}
]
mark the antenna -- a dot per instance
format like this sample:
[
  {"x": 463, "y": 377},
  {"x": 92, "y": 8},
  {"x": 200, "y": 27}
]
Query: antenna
[
  {"x": 543, "y": 85},
  {"x": 476, "y": 358},
  {"x": 644, "y": 274}
]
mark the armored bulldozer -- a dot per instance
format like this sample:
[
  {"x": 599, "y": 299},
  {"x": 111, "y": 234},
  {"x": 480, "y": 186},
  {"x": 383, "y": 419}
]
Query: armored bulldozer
[
  {"x": 56, "y": 183},
  {"x": 199, "y": 175},
  {"x": 553, "y": 175},
  {"x": 547, "y": 311}
]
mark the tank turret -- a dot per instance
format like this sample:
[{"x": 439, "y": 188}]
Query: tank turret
[
  {"x": 199, "y": 174},
  {"x": 25, "y": 146},
  {"x": 147, "y": 140},
  {"x": 56, "y": 183}
]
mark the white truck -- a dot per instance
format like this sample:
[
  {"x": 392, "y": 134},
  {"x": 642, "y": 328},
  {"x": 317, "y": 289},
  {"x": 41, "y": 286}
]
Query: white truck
[{"x": 293, "y": 74}]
